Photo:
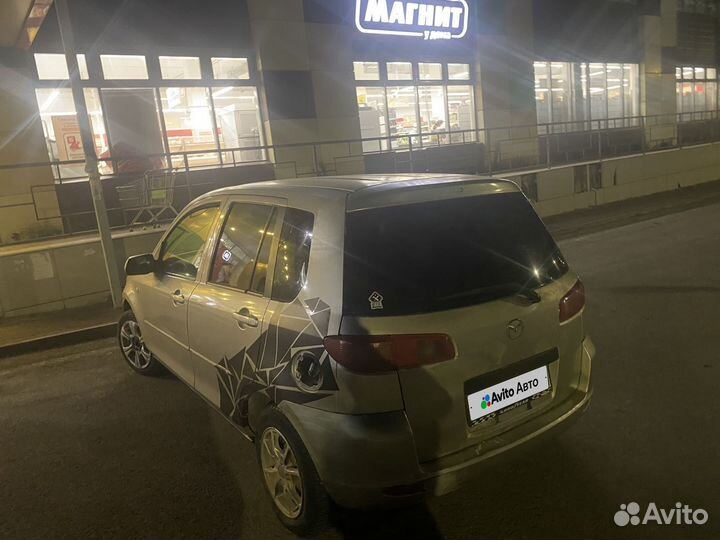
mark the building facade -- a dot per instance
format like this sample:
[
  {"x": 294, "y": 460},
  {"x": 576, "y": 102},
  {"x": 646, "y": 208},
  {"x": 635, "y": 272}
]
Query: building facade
[
  {"x": 582, "y": 102},
  {"x": 273, "y": 88}
]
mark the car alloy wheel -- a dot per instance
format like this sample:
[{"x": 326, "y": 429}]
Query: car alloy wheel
[
  {"x": 281, "y": 472},
  {"x": 133, "y": 345}
]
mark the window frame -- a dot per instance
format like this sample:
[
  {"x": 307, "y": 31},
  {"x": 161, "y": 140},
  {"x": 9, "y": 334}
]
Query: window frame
[
  {"x": 278, "y": 206},
  {"x": 469, "y": 79},
  {"x": 384, "y": 80},
  {"x": 444, "y": 71},
  {"x": 213, "y": 148},
  {"x": 96, "y": 76},
  {"x": 584, "y": 70},
  {"x": 382, "y": 73},
  {"x": 414, "y": 75},
  {"x": 209, "y": 72},
  {"x": 696, "y": 114},
  {"x": 154, "y": 82},
  {"x": 212, "y": 96},
  {"x": 278, "y": 236},
  {"x": 146, "y": 65},
  {"x": 160, "y": 250},
  {"x": 180, "y": 57},
  {"x": 391, "y": 141}
]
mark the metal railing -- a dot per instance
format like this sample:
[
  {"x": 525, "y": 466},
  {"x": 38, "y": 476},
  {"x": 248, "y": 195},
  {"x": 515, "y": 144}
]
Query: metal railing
[{"x": 480, "y": 151}]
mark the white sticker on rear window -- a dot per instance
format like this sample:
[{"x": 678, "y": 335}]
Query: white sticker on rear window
[{"x": 376, "y": 301}]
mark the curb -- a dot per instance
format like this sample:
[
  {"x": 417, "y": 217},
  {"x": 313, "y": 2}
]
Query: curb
[{"x": 63, "y": 339}]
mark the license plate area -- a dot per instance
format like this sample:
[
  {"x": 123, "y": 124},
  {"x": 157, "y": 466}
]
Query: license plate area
[{"x": 489, "y": 396}]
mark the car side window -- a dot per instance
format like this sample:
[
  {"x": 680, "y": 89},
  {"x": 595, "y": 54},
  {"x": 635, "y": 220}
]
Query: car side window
[
  {"x": 182, "y": 250},
  {"x": 293, "y": 256},
  {"x": 241, "y": 256},
  {"x": 261, "y": 268}
]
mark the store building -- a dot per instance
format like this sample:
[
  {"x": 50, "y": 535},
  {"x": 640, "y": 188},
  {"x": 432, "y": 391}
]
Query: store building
[{"x": 240, "y": 90}]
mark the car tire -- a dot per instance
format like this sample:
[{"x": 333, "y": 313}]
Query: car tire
[
  {"x": 133, "y": 348},
  {"x": 312, "y": 516}
]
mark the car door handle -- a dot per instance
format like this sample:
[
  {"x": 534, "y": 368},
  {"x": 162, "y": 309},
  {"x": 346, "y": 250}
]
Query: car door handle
[
  {"x": 245, "y": 318},
  {"x": 178, "y": 298}
]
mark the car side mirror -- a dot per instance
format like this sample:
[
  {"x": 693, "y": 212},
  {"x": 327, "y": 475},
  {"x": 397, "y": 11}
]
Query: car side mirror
[{"x": 141, "y": 265}]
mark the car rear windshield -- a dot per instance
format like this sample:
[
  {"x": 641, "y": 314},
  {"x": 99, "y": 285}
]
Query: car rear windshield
[{"x": 433, "y": 256}]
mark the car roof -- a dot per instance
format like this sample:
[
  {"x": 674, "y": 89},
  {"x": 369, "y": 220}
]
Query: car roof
[{"x": 352, "y": 184}]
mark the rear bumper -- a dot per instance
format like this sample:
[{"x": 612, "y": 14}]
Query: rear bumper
[
  {"x": 446, "y": 480},
  {"x": 367, "y": 460}
]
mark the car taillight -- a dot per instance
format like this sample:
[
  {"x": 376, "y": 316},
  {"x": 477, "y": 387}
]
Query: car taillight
[
  {"x": 572, "y": 303},
  {"x": 380, "y": 354}
]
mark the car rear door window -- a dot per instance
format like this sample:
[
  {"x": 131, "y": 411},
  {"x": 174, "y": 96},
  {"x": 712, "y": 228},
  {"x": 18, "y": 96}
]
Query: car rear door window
[
  {"x": 241, "y": 256},
  {"x": 293, "y": 256},
  {"x": 439, "y": 255},
  {"x": 261, "y": 268},
  {"x": 182, "y": 250}
]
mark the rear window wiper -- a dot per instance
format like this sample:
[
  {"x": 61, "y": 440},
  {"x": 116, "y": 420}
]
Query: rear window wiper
[{"x": 497, "y": 291}]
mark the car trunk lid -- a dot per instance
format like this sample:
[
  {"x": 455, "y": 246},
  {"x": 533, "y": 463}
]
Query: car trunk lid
[{"x": 480, "y": 268}]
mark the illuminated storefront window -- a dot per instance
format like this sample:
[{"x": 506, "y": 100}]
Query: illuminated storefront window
[
  {"x": 430, "y": 72},
  {"x": 238, "y": 121},
  {"x": 82, "y": 67},
  {"x": 135, "y": 123},
  {"x": 597, "y": 91},
  {"x": 433, "y": 112},
  {"x": 124, "y": 67},
  {"x": 97, "y": 121},
  {"x": 61, "y": 129},
  {"x": 573, "y": 94},
  {"x": 53, "y": 67},
  {"x": 561, "y": 92},
  {"x": 459, "y": 72},
  {"x": 189, "y": 124},
  {"x": 403, "y": 110},
  {"x": 399, "y": 71},
  {"x": 372, "y": 108},
  {"x": 697, "y": 93},
  {"x": 366, "y": 71},
  {"x": 180, "y": 67},
  {"x": 434, "y": 107},
  {"x": 461, "y": 118},
  {"x": 230, "y": 68}
]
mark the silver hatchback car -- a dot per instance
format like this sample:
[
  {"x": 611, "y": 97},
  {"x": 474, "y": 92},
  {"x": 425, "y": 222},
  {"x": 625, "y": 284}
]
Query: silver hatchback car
[{"x": 377, "y": 337}]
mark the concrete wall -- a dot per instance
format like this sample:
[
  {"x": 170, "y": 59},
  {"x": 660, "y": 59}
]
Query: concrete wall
[
  {"x": 22, "y": 141},
  {"x": 308, "y": 88},
  {"x": 657, "y": 73},
  {"x": 57, "y": 275},
  {"x": 505, "y": 94},
  {"x": 627, "y": 178}
]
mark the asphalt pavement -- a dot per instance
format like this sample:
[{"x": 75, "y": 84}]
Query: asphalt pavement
[{"x": 90, "y": 450}]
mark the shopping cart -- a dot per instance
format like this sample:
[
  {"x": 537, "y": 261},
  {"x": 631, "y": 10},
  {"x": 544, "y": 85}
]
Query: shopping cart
[{"x": 149, "y": 199}]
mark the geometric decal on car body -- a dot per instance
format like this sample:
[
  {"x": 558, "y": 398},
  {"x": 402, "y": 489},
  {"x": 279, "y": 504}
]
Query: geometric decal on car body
[{"x": 266, "y": 364}]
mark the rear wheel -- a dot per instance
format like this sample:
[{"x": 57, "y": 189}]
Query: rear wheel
[
  {"x": 133, "y": 347},
  {"x": 290, "y": 477}
]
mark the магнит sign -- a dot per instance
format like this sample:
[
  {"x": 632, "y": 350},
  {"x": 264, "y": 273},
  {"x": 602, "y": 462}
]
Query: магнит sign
[{"x": 429, "y": 20}]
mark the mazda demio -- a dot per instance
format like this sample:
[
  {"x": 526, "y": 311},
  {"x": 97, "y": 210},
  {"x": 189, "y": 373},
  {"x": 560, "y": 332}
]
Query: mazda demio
[{"x": 377, "y": 337}]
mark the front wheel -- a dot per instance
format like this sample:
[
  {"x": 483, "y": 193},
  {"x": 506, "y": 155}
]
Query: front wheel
[
  {"x": 133, "y": 347},
  {"x": 290, "y": 477}
]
